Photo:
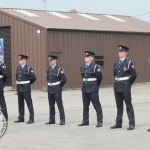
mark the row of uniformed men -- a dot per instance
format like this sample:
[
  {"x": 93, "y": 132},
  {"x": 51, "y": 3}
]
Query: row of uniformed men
[{"x": 124, "y": 73}]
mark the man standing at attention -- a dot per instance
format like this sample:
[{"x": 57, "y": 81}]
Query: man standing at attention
[
  {"x": 24, "y": 77},
  {"x": 125, "y": 75},
  {"x": 92, "y": 77},
  {"x": 56, "y": 79}
]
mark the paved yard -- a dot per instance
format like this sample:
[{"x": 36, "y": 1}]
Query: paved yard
[{"x": 39, "y": 136}]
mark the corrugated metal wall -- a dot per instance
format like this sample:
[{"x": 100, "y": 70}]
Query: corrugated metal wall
[
  {"x": 26, "y": 40},
  {"x": 72, "y": 44}
]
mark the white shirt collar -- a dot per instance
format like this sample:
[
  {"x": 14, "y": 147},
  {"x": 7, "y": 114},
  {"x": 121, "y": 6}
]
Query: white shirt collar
[
  {"x": 122, "y": 59},
  {"x": 53, "y": 66},
  {"x": 23, "y": 66},
  {"x": 88, "y": 63}
]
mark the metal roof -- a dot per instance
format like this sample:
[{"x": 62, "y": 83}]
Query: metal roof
[{"x": 79, "y": 21}]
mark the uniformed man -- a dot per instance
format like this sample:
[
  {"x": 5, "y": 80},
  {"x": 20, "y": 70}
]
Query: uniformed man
[
  {"x": 125, "y": 75},
  {"x": 24, "y": 77},
  {"x": 56, "y": 79},
  {"x": 92, "y": 77},
  {"x": 3, "y": 78}
]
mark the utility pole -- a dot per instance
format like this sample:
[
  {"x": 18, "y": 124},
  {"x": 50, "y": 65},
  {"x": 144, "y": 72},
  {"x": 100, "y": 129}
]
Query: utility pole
[{"x": 45, "y": 3}]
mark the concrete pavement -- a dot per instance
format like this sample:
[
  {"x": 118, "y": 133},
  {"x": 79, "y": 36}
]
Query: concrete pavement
[{"x": 39, "y": 136}]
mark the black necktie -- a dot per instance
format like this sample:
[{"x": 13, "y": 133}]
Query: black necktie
[
  {"x": 86, "y": 66},
  {"x": 20, "y": 68},
  {"x": 50, "y": 68},
  {"x": 120, "y": 62}
]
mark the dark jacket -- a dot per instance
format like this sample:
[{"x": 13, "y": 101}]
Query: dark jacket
[
  {"x": 125, "y": 69},
  {"x": 3, "y": 73},
  {"x": 93, "y": 71},
  {"x": 55, "y": 75},
  {"x": 25, "y": 74}
]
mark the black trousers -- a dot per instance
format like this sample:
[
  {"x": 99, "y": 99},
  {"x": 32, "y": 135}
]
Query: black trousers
[
  {"x": 126, "y": 96},
  {"x": 58, "y": 98},
  {"x": 3, "y": 104},
  {"x": 94, "y": 98},
  {"x": 27, "y": 97}
]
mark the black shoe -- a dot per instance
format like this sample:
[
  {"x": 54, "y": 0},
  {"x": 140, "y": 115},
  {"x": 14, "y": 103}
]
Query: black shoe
[
  {"x": 131, "y": 128},
  {"x": 62, "y": 123},
  {"x": 84, "y": 123},
  {"x": 50, "y": 122},
  {"x": 99, "y": 124},
  {"x": 116, "y": 126},
  {"x": 30, "y": 121},
  {"x": 19, "y": 120},
  {"x": 148, "y": 130}
]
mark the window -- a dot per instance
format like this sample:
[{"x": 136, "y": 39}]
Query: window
[
  {"x": 59, "y": 15},
  {"x": 88, "y": 16},
  {"x": 26, "y": 13},
  {"x": 115, "y": 18},
  {"x": 99, "y": 60}
]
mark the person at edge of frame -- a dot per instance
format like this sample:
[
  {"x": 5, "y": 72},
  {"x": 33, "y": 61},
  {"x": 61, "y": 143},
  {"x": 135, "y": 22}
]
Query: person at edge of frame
[
  {"x": 3, "y": 78},
  {"x": 125, "y": 75},
  {"x": 92, "y": 77},
  {"x": 56, "y": 79},
  {"x": 24, "y": 78}
]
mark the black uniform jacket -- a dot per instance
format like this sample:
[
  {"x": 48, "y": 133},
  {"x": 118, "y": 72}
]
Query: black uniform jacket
[
  {"x": 55, "y": 75},
  {"x": 3, "y": 74},
  {"x": 93, "y": 71},
  {"x": 125, "y": 69},
  {"x": 25, "y": 74}
]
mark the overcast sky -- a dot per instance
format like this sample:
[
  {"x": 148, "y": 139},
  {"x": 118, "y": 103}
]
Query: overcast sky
[{"x": 114, "y": 7}]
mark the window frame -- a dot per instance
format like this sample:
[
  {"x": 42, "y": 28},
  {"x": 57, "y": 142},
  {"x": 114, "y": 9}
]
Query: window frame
[{"x": 99, "y": 59}]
